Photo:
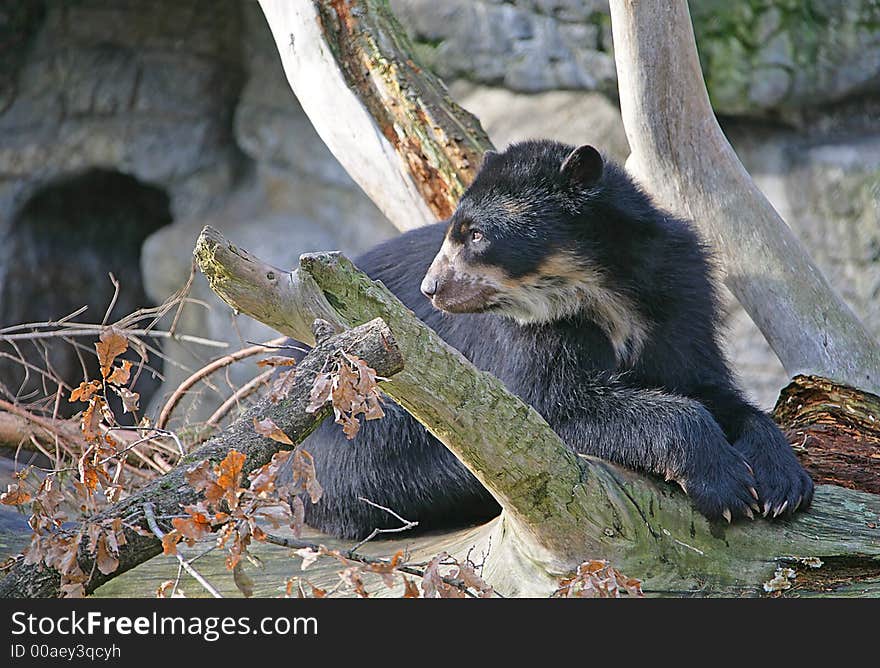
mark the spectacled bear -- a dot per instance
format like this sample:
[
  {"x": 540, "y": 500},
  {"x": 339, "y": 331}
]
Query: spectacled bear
[{"x": 558, "y": 275}]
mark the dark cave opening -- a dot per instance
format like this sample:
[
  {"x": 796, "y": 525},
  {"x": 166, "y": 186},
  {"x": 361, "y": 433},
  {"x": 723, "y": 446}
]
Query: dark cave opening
[{"x": 56, "y": 257}]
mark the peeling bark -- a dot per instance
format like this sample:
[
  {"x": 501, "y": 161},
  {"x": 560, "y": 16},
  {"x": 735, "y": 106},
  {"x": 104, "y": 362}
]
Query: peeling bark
[
  {"x": 835, "y": 431},
  {"x": 387, "y": 120}
]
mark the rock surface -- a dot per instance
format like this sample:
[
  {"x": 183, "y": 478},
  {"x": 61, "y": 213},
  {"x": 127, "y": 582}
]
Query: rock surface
[{"x": 760, "y": 57}]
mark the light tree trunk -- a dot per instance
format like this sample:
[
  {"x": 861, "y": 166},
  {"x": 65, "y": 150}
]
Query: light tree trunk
[
  {"x": 388, "y": 121},
  {"x": 683, "y": 159}
]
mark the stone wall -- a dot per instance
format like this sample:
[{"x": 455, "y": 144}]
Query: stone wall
[{"x": 760, "y": 57}]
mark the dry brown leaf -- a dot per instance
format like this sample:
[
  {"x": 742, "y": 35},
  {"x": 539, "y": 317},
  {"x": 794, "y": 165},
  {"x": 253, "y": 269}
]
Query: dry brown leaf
[
  {"x": 473, "y": 581},
  {"x": 200, "y": 475},
  {"x": 298, "y": 517},
  {"x": 229, "y": 476},
  {"x": 120, "y": 374},
  {"x": 85, "y": 391},
  {"x": 598, "y": 579},
  {"x": 374, "y": 408},
  {"x": 352, "y": 577},
  {"x": 89, "y": 474},
  {"x": 111, "y": 345},
  {"x": 130, "y": 399},
  {"x": 344, "y": 393},
  {"x": 72, "y": 589},
  {"x": 90, "y": 422},
  {"x": 243, "y": 581},
  {"x": 113, "y": 493},
  {"x": 385, "y": 569},
  {"x": 350, "y": 425},
  {"x": 263, "y": 479},
  {"x": 118, "y": 530},
  {"x": 170, "y": 541},
  {"x": 366, "y": 383},
  {"x": 195, "y": 527},
  {"x": 165, "y": 589},
  {"x": 303, "y": 470},
  {"x": 14, "y": 495},
  {"x": 320, "y": 392},
  {"x": 93, "y": 531},
  {"x": 282, "y": 385},
  {"x": 309, "y": 556},
  {"x": 266, "y": 427},
  {"x": 410, "y": 590},
  {"x": 107, "y": 556},
  {"x": 61, "y": 553}
]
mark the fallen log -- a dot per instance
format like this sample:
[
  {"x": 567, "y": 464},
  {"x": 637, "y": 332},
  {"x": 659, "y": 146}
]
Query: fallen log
[{"x": 834, "y": 430}]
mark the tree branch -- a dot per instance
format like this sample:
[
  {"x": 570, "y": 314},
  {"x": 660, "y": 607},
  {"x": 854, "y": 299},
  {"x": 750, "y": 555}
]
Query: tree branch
[
  {"x": 559, "y": 509},
  {"x": 388, "y": 121},
  {"x": 372, "y": 342}
]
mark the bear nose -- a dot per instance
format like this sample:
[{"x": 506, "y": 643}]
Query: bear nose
[{"x": 429, "y": 286}]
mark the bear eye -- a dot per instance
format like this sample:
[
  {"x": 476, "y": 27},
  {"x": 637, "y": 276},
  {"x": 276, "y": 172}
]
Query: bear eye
[{"x": 476, "y": 236}]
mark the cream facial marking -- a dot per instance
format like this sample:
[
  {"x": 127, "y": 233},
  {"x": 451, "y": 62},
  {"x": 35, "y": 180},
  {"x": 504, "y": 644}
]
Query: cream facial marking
[
  {"x": 564, "y": 285},
  {"x": 560, "y": 287}
]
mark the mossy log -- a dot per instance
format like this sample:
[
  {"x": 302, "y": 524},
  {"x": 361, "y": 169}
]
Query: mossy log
[{"x": 559, "y": 509}]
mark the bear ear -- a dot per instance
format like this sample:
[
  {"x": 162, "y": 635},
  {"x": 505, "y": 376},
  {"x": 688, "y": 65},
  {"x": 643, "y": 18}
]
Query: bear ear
[
  {"x": 583, "y": 166},
  {"x": 488, "y": 157}
]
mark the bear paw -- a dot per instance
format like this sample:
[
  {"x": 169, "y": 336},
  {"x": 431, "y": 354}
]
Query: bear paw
[{"x": 725, "y": 488}]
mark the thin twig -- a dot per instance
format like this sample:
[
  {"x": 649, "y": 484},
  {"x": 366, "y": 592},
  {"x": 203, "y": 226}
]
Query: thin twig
[
  {"x": 161, "y": 432},
  {"x": 204, "y": 372},
  {"x": 298, "y": 544},
  {"x": 405, "y": 525},
  {"x": 154, "y": 527},
  {"x": 241, "y": 393},
  {"x": 28, "y": 367},
  {"x": 84, "y": 329},
  {"x": 47, "y": 323},
  {"x": 113, "y": 299}
]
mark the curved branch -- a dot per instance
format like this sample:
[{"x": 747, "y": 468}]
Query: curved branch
[{"x": 204, "y": 372}]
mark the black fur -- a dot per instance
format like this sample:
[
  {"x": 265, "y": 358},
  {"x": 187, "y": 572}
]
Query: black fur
[{"x": 672, "y": 410}]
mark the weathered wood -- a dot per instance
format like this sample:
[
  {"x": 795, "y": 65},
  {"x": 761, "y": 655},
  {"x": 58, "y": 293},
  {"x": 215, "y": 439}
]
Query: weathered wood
[
  {"x": 835, "y": 431},
  {"x": 16, "y": 431},
  {"x": 681, "y": 156},
  {"x": 561, "y": 509},
  {"x": 388, "y": 121},
  {"x": 372, "y": 342}
]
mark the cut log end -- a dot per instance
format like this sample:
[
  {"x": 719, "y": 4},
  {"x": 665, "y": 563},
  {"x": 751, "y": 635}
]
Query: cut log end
[{"x": 835, "y": 431}]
